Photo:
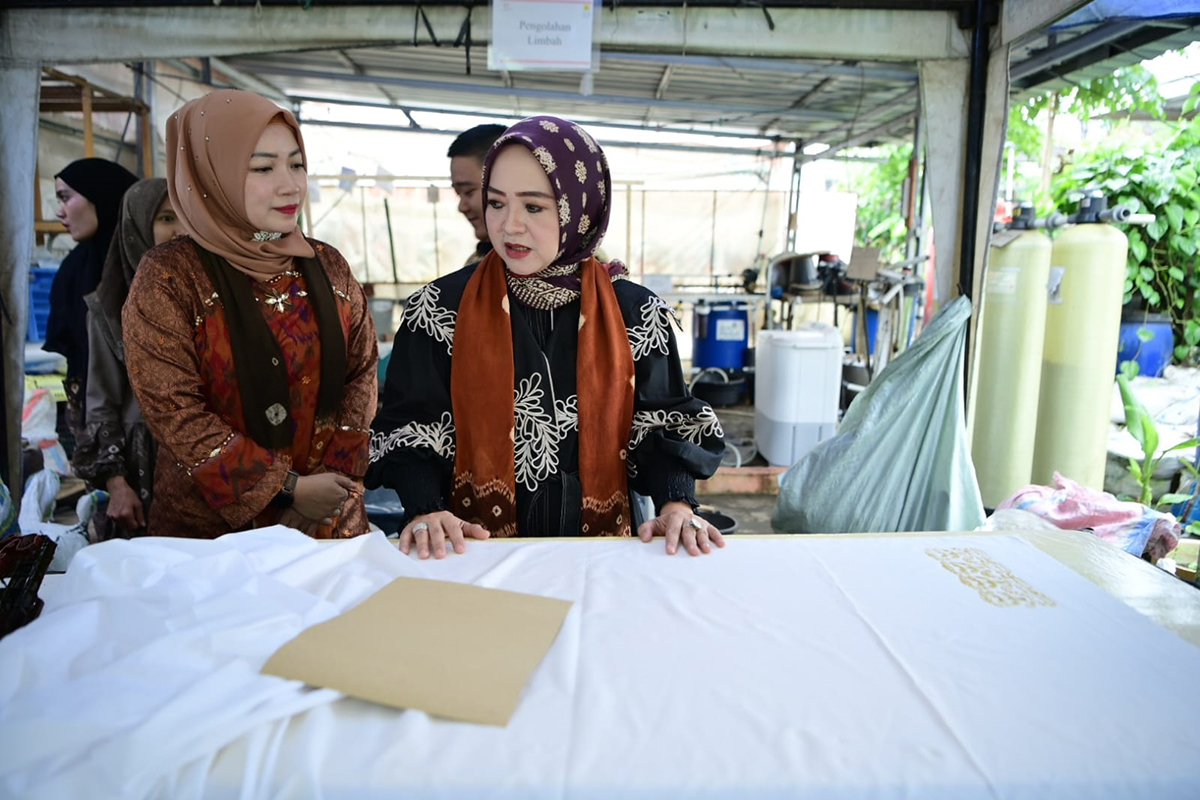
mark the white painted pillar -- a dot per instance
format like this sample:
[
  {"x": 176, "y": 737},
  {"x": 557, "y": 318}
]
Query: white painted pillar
[
  {"x": 944, "y": 86},
  {"x": 20, "y": 84}
]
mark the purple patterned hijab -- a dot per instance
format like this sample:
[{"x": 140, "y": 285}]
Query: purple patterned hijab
[{"x": 582, "y": 186}]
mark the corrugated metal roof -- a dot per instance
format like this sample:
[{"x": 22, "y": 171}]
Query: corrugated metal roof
[{"x": 809, "y": 100}]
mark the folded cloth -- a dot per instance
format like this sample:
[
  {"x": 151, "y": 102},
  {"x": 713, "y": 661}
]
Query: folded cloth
[
  {"x": 146, "y": 659},
  {"x": 1133, "y": 527}
]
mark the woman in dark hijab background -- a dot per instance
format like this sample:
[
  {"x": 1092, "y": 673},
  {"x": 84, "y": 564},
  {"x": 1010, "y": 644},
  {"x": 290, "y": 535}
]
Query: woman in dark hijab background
[
  {"x": 116, "y": 451},
  {"x": 89, "y": 195}
]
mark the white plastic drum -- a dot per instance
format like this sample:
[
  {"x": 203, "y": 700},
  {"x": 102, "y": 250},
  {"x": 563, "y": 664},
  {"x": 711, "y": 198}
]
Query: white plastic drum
[{"x": 798, "y": 382}]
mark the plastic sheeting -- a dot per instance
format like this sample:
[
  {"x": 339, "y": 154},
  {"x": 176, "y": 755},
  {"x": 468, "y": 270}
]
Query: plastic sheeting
[
  {"x": 900, "y": 460},
  {"x": 1101, "y": 11}
]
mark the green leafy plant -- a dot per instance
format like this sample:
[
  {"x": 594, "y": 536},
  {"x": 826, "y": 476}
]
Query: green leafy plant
[
  {"x": 1140, "y": 425},
  {"x": 1106, "y": 101},
  {"x": 880, "y": 221},
  {"x": 1161, "y": 269}
]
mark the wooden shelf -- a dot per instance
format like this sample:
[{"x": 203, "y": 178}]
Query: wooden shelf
[{"x": 63, "y": 93}]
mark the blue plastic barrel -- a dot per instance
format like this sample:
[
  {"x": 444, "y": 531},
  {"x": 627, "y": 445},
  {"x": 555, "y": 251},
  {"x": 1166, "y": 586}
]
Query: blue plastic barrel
[
  {"x": 40, "y": 281},
  {"x": 872, "y": 329},
  {"x": 1152, "y": 356},
  {"x": 721, "y": 335}
]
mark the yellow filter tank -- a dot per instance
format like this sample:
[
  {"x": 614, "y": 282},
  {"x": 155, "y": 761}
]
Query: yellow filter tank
[
  {"x": 1011, "y": 331},
  {"x": 1079, "y": 359}
]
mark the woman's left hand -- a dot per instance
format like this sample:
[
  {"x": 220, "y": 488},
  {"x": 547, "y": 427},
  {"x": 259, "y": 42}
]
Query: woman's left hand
[
  {"x": 294, "y": 519},
  {"x": 677, "y": 522}
]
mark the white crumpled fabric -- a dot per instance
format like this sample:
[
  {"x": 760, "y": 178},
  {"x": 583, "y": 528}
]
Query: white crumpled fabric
[{"x": 145, "y": 662}]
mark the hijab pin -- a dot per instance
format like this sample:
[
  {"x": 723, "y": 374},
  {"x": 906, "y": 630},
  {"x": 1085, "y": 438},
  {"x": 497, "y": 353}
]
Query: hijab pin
[{"x": 206, "y": 138}]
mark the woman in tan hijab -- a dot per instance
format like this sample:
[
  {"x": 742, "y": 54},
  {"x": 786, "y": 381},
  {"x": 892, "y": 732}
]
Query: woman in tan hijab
[{"x": 249, "y": 346}]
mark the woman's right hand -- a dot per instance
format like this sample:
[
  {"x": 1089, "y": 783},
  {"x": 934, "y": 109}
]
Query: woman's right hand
[
  {"x": 320, "y": 496},
  {"x": 124, "y": 506},
  {"x": 429, "y": 533}
]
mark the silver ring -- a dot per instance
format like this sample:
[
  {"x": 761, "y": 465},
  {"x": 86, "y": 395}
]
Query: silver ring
[
  {"x": 420, "y": 526},
  {"x": 697, "y": 523}
]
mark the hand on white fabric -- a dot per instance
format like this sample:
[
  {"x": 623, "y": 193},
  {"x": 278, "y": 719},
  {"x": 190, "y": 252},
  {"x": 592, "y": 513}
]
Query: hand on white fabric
[
  {"x": 124, "y": 506},
  {"x": 675, "y": 523},
  {"x": 430, "y": 532},
  {"x": 320, "y": 496}
]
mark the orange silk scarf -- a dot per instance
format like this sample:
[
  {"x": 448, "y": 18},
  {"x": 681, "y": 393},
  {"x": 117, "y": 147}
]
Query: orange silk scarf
[{"x": 481, "y": 392}]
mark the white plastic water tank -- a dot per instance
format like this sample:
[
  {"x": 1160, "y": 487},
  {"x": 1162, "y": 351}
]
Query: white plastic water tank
[{"x": 797, "y": 386}]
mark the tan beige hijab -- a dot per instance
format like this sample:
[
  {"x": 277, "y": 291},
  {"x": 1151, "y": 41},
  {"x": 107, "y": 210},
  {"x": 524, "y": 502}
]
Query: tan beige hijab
[{"x": 209, "y": 142}]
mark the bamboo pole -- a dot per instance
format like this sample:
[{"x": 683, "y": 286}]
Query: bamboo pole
[{"x": 89, "y": 139}]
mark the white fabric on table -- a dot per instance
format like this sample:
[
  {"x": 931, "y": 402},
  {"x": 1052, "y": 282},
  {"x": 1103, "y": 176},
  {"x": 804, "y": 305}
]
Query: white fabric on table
[
  {"x": 847, "y": 667},
  {"x": 147, "y": 657}
]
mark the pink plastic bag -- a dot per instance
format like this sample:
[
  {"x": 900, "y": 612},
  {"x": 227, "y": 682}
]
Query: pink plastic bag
[{"x": 1131, "y": 526}]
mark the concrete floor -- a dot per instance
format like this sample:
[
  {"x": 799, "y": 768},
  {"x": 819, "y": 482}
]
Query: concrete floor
[{"x": 752, "y": 512}]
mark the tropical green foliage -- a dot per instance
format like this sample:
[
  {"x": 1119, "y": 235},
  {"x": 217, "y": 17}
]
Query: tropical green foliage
[
  {"x": 1140, "y": 425},
  {"x": 1127, "y": 90},
  {"x": 1161, "y": 268},
  {"x": 880, "y": 189}
]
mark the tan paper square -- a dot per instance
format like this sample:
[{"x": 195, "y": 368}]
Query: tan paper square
[
  {"x": 450, "y": 649},
  {"x": 864, "y": 264}
]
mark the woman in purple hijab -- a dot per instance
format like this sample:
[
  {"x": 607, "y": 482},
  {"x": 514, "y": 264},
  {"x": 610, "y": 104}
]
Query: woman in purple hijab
[{"x": 539, "y": 391}]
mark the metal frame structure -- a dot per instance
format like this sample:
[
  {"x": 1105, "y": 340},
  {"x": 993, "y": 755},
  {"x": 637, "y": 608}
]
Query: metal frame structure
[{"x": 842, "y": 73}]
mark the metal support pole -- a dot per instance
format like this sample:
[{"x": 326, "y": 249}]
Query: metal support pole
[
  {"x": 712, "y": 246},
  {"x": 916, "y": 189},
  {"x": 628, "y": 225},
  {"x": 976, "y": 100},
  {"x": 794, "y": 195}
]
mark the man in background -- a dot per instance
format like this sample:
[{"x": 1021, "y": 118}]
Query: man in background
[{"x": 466, "y": 177}]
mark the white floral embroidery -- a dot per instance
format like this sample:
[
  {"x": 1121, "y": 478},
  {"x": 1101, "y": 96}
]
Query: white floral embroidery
[
  {"x": 587, "y": 140},
  {"x": 583, "y": 202},
  {"x": 547, "y": 160},
  {"x": 422, "y": 313},
  {"x": 537, "y": 435},
  {"x": 600, "y": 186},
  {"x": 567, "y": 414},
  {"x": 564, "y": 211},
  {"x": 570, "y": 145},
  {"x": 584, "y": 222},
  {"x": 581, "y": 171},
  {"x": 438, "y": 436},
  {"x": 654, "y": 334},
  {"x": 693, "y": 427},
  {"x": 548, "y": 125}
]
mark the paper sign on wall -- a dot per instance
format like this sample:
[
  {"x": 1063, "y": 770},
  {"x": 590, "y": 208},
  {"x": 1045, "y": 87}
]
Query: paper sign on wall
[{"x": 536, "y": 34}]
